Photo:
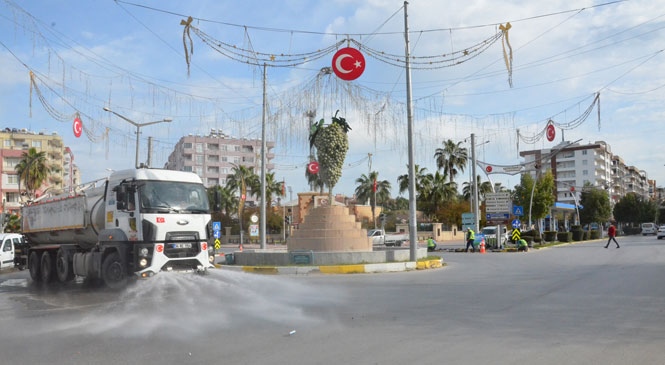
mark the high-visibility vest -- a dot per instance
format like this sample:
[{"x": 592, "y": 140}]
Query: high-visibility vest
[{"x": 472, "y": 234}]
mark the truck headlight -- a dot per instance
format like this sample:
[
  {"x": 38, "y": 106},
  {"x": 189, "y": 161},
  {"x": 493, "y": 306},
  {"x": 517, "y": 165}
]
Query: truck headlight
[
  {"x": 143, "y": 252},
  {"x": 143, "y": 262}
]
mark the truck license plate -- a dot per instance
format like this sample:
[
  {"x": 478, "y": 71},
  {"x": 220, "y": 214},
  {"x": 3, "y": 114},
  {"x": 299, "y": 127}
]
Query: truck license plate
[{"x": 181, "y": 245}]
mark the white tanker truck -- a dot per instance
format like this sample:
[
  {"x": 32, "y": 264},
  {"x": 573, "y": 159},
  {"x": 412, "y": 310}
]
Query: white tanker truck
[{"x": 135, "y": 223}]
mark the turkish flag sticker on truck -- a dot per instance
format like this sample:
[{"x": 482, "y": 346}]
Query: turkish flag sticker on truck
[{"x": 160, "y": 220}]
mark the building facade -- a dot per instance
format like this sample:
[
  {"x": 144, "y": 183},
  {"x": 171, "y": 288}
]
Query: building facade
[
  {"x": 14, "y": 142},
  {"x": 213, "y": 157},
  {"x": 576, "y": 165}
]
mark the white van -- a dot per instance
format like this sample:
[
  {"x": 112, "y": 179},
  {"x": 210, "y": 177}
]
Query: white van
[
  {"x": 8, "y": 245},
  {"x": 649, "y": 228}
]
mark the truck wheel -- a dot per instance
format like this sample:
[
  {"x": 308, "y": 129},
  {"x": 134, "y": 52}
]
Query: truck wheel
[
  {"x": 113, "y": 272},
  {"x": 47, "y": 268},
  {"x": 34, "y": 263},
  {"x": 63, "y": 267}
]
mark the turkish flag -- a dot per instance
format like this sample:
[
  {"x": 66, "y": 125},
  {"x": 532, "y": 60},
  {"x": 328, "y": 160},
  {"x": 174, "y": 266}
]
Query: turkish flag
[{"x": 374, "y": 186}]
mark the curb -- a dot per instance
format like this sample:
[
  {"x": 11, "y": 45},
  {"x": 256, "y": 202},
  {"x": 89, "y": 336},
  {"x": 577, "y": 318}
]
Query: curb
[{"x": 337, "y": 269}]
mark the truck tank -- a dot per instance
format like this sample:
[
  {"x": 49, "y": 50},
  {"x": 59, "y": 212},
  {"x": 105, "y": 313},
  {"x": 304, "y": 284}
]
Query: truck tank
[{"x": 65, "y": 219}]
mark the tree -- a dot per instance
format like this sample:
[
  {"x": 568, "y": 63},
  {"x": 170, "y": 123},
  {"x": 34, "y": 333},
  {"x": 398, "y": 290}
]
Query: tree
[
  {"x": 228, "y": 200},
  {"x": 366, "y": 191},
  {"x": 452, "y": 158},
  {"x": 423, "y": 186},
  {"x": 483, "y": 189},
  {"x": 238, "y": 181},
  {"x": 538, "y": 205},
  {"x": 596, "y": 203},
  {"x": 441, "y": 191},
  {"x": 32, "y": 170},
  {"x": 634, "y": 209}
]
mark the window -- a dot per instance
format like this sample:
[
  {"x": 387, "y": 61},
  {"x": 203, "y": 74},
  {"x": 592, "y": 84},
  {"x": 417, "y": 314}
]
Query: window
[
  {"x": 199, "y": 147},
  {"x": 585, "y": 172},
  {"x": 236, "y": 148},
  {"x": 199, "y": 159},
  {"x": 213, "y": 158},
  {"x": 187, "y": 145},
  {"x": 12, "y": 197},
  {"x": 7, "y": 143},
  {"x": 11, "y": 162},
  {"x": 213, "y": 169},
  {"x": 187, "y": 168},
  {"x": 213, "y": 182},
  {"x": 12, "y": 179},
  {"x": 37, "y": 144},
  {"x": 213, "y": 146},
  {"x": 223, "y": 147},
  {"x": 187, "y": 157},
  {"x": 198, "y": 170},
  {"x": 225, "y": 159},
  {"x": 584, "y": 162}
]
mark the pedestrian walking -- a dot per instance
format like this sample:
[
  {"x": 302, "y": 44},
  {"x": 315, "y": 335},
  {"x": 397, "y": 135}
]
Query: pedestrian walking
[
  {"x": 470, "y": 237},
  {"x": 611, "y": 233}
]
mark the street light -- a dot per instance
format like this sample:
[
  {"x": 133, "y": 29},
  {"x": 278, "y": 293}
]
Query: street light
[{"x": 138, "y": 127}]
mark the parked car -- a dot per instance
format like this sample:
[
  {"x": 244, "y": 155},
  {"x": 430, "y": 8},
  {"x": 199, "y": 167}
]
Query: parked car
[
  {"x": 489, "y": 233},
  {"x": 661, "y": 232},
  {"x": 649, "y": 228},
  {"x": 10, "y": 243}
]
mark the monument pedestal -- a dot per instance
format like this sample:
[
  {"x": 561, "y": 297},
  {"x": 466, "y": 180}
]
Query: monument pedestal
[{"x": 329, "y": 228}]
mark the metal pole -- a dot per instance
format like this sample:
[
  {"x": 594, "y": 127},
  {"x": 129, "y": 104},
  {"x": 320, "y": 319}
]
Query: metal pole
[
  {"x": 413, "y": 243},
  {"x": 262, "y": 223},
  {"x": 136, "y": 159},
  {"x": 476, "y": 213}
]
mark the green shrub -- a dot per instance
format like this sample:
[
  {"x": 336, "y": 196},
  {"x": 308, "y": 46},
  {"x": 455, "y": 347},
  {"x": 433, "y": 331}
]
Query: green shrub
[
  {"x": 564, "y": 236},
  {"x": 549, "y": 236},
  {"x": 595, "y": 234},
  {"x": 577, "y": 235}
]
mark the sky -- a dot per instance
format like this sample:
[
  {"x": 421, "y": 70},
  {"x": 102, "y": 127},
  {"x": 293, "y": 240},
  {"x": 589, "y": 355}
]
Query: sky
[{"x": 468, "y": 76}]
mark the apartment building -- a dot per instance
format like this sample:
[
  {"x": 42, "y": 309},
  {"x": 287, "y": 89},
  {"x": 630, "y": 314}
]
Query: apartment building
[
  {"x": 14, "y": 142},
  {"x": 575, "y": 165},
  {"x": 213, "y": 157}
]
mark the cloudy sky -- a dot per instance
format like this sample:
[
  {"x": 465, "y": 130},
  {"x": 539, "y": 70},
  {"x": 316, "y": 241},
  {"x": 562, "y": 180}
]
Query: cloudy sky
[{"x": 135, "y": 58}]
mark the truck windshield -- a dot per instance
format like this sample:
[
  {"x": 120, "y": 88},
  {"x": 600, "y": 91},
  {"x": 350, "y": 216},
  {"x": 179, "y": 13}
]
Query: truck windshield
[{"x": 172, "y": 196}]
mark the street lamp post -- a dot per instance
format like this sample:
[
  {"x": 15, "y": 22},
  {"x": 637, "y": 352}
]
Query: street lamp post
[{"x": 138, "y": 128}]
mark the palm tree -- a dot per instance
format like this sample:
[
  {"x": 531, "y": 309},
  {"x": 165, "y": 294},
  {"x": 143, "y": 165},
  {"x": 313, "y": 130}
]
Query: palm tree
[
  {"x": 33, "y": 170},
  {"x": 228, "y": 200},
  {"x": 273, "y": 187},
  {"x": 483, "y": 188},
  {"x": 238, "y": 181},
  {"x": 314, "y": 180},
  {"x": 451, "y": 158},
  {"x": 423, "y": 181},
  {"x": 366, "y": 190},
  {"x": 442, "y": 190}
]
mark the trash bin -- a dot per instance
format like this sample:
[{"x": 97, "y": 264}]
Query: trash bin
[{"x": 229, "y": 259}]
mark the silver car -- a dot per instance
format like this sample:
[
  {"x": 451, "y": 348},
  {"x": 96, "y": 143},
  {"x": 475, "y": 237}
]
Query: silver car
[{"x": 661, "y": 232}]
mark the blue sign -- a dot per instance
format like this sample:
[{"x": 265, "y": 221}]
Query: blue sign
[
  {"x": 518, "y": 210},
  {"x": 216, "y": 234},
  {"x": 497, "y": 216},
  {"x": 516, "y": 223},
  {"x": 216, "y": 226}
]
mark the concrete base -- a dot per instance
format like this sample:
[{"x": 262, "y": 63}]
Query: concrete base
[{"x": 315, "y": 258}]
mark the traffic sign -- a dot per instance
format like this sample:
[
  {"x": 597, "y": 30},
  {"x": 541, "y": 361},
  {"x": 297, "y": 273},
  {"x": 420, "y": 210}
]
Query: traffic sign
[
  {"x": 518, "y": 210},
  {"x": 498, "y": 202},
  {"x": 216, "y": 226},
  {"x": 516, "y": 235},
  {"x": 516, "y": 223},
  {"x": 216, "y": 234},
  {"x": 497, "y": 216},
  {"x": 468, "y": 218},
  {"x": 218, "y": 244},
  {"x": 254, "y": 230}
]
